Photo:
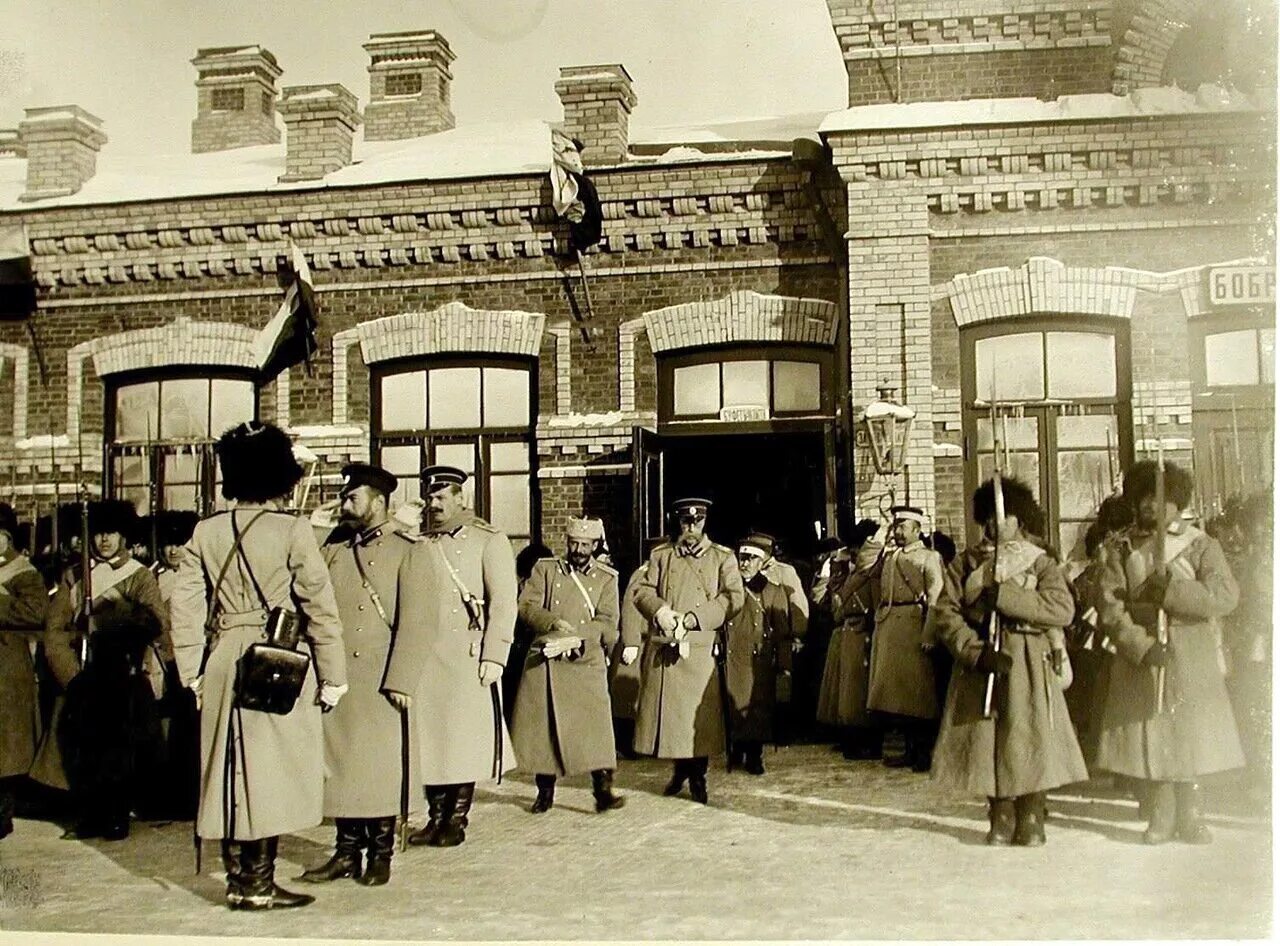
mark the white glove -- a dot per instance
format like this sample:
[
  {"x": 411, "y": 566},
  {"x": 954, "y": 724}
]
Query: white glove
[
  {"x": 668, "y": 619},
  {"x": 490, "y": 672},
  {"x": 629, "y": 655},
  {"x": 197, "y": 690},
  {"x": 330, "y": 694}
]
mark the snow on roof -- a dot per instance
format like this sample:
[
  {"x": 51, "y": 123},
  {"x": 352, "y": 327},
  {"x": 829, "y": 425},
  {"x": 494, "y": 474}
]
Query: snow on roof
[
  {"x": 495, "y": 149},
  {"x": 1141, "y": 103},
  {"x": 750, "y": 129}
]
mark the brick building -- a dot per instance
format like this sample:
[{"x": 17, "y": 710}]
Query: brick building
[{"x": 1022, "y": 190}]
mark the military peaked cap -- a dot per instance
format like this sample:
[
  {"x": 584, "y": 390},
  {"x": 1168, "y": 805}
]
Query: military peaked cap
[
  {"x": 692, "y": 506},
  {"x": 355, "y": 475},
  {"x": 438, "y": 477}
]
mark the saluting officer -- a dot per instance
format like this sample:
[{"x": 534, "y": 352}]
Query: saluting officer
[
  {"x": 690, "y": 588},
  {"x": 458, "y": 587},
  {"x": 367, "y": 757},
  {"x": 562, "y": 721},
  {"x": 23, "y": 603}
]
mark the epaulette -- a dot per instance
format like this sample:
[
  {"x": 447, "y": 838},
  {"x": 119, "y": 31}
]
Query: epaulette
[
  {"x": 407, "y": 536},
  {"x": 482, "y": 525},
  {"x": 723, "y": 548},
  {"x": 607, "y": 569}
]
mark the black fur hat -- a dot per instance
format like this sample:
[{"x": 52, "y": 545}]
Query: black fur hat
[
  {"x": 1140, "y": 482},
  {"x": 112, "y": 515},
  {"x": 1018, "y": 501},
  {"x": 257, "y": 463},
  {"x": 175, "y": 527}
]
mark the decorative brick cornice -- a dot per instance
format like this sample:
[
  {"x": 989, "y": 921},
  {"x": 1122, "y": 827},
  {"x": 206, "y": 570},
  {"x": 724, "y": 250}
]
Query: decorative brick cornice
[
  {"x": 453, "y": 327},
  {"x": 742, "y": 317},
  {"x": 1155, "y": 26}
]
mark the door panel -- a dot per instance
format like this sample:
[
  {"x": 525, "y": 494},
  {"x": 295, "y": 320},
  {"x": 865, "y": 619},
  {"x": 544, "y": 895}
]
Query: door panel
[{"x": 648, "y": 488}]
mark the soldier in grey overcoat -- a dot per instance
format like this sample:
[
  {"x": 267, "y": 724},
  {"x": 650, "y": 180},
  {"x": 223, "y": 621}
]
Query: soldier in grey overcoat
[
  {"x": 562, "y": 723},
  {"x": 244, "y": 564},
  {"x": 23, "y": 602},
  {"x": 690, "y": 589},
  {"x": 368, "y": 763}
]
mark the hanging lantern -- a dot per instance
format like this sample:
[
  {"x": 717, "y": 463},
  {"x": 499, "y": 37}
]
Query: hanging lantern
[{"x": 888, "y": 424}]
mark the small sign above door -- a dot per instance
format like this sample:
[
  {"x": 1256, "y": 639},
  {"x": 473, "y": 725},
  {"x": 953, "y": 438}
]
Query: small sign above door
[
  {"x": 744, "y": 413},
  {"x": 1242, "y": 285}
]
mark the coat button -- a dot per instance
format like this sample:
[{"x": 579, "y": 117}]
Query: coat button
[
  {"x": 358, "y": 629},
  {"x": 360, "y": 607},
  {"x": 355, "y": 653}
]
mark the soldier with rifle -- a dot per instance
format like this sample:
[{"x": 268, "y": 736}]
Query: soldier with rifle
[
  {"x": 1005, "y": 730},
  {"x": 691, "y": 587},
  {"x": 1166, "y": 718}
]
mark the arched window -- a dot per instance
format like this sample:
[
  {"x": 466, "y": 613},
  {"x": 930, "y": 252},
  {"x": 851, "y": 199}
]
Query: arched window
[
  {"x": 475, "y": 414},
  {"x": 160, "y": 431},
  {"x": 745, "y": 385},
  {"x": 1062, "y": 388}
]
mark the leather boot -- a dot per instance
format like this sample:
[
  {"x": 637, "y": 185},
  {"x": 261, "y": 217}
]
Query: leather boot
[
  {"x": 698, "y": 779},
  {"x": 453, "y": 831},
  {"x": 230, "y": 851},
  {"x": 1002, "y": 815},
  {"x": 437, "y": 796},
  {"x": 1030, "y": 820},
  {"x": 1162, "y": 806},
  {"x": 346, "y": 854},
  {"x": 258, "y": 873},
  {"x": 381, "y": 835},
  {"x": 679, "y": 773},
  {"x": 753, "y": 755},
  {"x": 1190, "y": 823},
  {"x": 602, "y": 788},
  {"x": 546, "y": 794}
]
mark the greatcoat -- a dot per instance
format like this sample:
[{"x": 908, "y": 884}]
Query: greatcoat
[
  {"x": 277, "y": 770},
  {"x": 458, "y": 723},
  {"x": 758, "y": 640},
  {"x": 624, "y": 679},
  {"x": 23, "y": 603},
  {"x": 902, "y": 675},
  {"x": 1029, "y": 746},
  {"x": 681, "y": 714},
  {"x": 842, "y": 698},
  {"x": 1196, "y": 735},
  {"x": 562, "y": 723},
  {"x": 363, "y": 750}
]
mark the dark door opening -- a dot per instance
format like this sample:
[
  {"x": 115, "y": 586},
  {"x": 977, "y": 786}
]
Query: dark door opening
[{"x": 774, "y": 483}]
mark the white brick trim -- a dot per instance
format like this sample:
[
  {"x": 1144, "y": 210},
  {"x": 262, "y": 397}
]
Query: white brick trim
[
  {"x": 21, "y": 358},
  {"x": 181, "y": 342},
  {"x": 627, "y": 333},
  {"x": 564, "y": 367},
  {"x": 742, "y": 317},
  {"x": 284, "y": 387},
  {"x": 76, "y": 357},
  {"x": 342, "y": 342},
  {"x": 453, "y": 327}
]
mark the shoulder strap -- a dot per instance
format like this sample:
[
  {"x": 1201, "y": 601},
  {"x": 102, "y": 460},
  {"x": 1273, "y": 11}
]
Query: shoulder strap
[
  {"x": 215, "y": 606},
  {"x": 473, "y": 604},
  {"x": 591, "y": 607},
  {"x": 239, "y": 549}
]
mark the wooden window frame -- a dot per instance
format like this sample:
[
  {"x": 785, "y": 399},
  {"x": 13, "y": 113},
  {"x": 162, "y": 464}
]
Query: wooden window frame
[{"x": 766, "y": 352}]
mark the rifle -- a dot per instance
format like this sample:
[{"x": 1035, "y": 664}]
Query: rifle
[
  {"x": 1162, "y": 619},
  {"x": 722, "y": 675},
  {"x": 995, "y": 633},
  {"x": 86, "y": 577}
]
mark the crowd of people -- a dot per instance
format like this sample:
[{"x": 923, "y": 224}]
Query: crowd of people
[{"x": 270, "y": 671}]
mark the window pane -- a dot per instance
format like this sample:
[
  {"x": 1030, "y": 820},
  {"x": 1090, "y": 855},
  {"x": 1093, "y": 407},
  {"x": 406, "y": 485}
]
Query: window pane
[
  {"x": 1016, "y": 433},
  {"x": 140, "y": 496},
  {"x": 506, "y": 397},
  {"x": 184, "y": 408},
  {"x": 1081, "y": 364},
  {"x": 509, "y": 457},
  {"x": 406, "y": 463},
  {"x": 746, "y": 383},
  {"x": 463, "y": 456},
  {"x": 231, "y": 403},
  {"x": 1231, "y": 358},
  {"x": 1088, "y": 430},
  {"x": 509, "y": 503},
  {"x": 181, "y": 497},
  {"x": 1018, "y": 362},
  {"x": 797, "y": 386},
  {"x": 1023, "y": 466},
  {"x": 1071, "y": 535},
  {"x": 1267, "y": 352},
  {"x": 181, "y": 468},
  {"x": 697, "y": 390},
  {"x": 404, "y": 401},
  {"x": 1084, "y": 481},
  {"x": 455, "y": 398},
  {"x": 131, "y": 469},
  {"x": 137, "y": 411}
]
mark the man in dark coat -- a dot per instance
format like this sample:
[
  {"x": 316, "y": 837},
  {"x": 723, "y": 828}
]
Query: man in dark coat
[
  {"x": 23, "y": 603},
  {"x": 368, "y": 763},
  {"x": 563, "y": 724},
  {"x": 690, "y": 588},
  {"x": 106, "y": 738},
  {"x": 1194, "y": 733},
  {"x": 758, "y": 641}
]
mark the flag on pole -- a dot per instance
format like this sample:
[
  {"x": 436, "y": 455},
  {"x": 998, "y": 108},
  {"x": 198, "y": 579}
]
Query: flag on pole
[
  {"x": 17, "y": 283},
  {"x": 290, "y": 336},
  {"x": 573, "y": 196}
]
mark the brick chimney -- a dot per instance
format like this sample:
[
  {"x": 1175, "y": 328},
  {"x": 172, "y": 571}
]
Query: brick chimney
[
  {"x": 62, "y": 143},
  {"x": 235, "y": 98},
  {"x": 11, "y": 145},
  {"x": 320, "y": 123},
  {"x": 597, "y": 101},
  {"x": 409, "y": 81}
]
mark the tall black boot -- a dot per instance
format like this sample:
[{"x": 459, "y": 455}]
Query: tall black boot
[
  {"x": 1002, "y": 814},
  {"x": 679, "y": 774},
  {"x": 1162, "y": 808},
  {"x": 346, "y": 854},
  {"x": 602, "y": 788},
  {"x": 698, "y": 779},
  {"x": 1029, "y": 831},
  {"x": 381, "y": 834},
  {"x": 437, "y": 797},
  {"x": 546, "y": 793},
  {"x": 454, "y": 829},
  {"x": 753, "y": 758},
  {"x": 258, "y": 877},
  {"x": 1190, "y": 823},
  {"x": 231, "y": 864},
  {"x": 7, "y": 804}
]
